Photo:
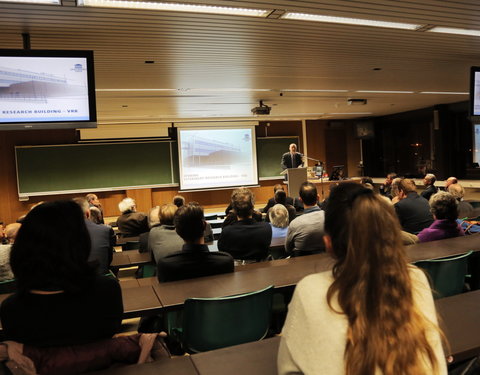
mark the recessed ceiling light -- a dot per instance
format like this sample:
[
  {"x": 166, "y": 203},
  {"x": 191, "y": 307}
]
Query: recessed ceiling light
[
  {"x": 385, "y": 92},
  {"x": 349, "y": 21},
  {"x": 120, "y": 90},
  {"x": 444, "y": 92},
  {"x": 50, "y": 2},
  {"x": 311, "y": 90},
  {"x": 176, "y": 7},
  {"x": 454, "y": 30}
]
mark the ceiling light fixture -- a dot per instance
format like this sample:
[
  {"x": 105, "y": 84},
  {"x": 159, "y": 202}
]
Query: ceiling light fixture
[
  {"x": 349, "y": 21},
  {"x": 311, "y": 90},
  {"x": 444, "y": 93},
  {"x": 454, "y": 30},
  {"x": 120, "y": 90},
  {"x": 175, "y": 7},
  {"x": 385, "y": 92},
  {"x": 49, "y": 2},
  {"x": 349, "y": 113}
]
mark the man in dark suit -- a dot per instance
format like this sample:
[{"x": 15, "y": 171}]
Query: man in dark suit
[
  {"x": 271, "y": 202},
  {"x": 292, "y": 159},
  {"x": 413, "y": 211},
  {"x": 195, "y": 259},
  {"x": 429, "y": 182},
  {"x": 102, "y": 238}
]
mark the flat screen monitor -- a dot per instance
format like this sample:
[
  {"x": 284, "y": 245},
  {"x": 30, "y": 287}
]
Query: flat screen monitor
[
  {"x": 475, "y": 91},
  {"x": 215, "y": 158},
  {"x": 43, "y": 89}
]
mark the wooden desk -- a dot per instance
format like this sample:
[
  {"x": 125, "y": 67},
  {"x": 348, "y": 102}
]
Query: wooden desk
[
  {"x": 130, "y": 259},
  {"x": 140, "y": 301},
  {"x": 460, "y": 317},
  {"x": 124, "y": 240},
  {"x": 443, "y": 248}
]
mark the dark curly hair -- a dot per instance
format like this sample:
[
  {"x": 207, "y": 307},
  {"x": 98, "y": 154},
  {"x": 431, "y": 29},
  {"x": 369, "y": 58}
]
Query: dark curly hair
[{"x": 52, "y": 248}]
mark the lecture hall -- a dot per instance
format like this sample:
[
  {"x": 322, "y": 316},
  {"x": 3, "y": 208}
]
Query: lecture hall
[{"x": 221, "y": 187}]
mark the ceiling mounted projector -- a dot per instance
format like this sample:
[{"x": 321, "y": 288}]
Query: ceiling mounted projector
[{"x": 263, "y": 109}]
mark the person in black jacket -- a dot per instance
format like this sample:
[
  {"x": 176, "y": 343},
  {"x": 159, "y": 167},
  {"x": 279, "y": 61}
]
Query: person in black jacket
[
  {"x": 413, "y": 211},
  {"x": 271, "y": 202},
  {"x": 429, "y": 182},
  {"x": 292, "y": 159},
  {"x": 195, "y": 259}
]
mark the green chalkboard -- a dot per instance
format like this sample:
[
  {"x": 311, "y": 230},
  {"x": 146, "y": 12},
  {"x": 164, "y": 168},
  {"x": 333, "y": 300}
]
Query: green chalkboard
[
  {"x": 75, "y": 168},
  {"x": 269, "y": 154}
]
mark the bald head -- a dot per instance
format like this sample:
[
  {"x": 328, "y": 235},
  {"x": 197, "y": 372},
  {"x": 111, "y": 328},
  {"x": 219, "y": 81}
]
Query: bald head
[{"x": 450, "y": 181}]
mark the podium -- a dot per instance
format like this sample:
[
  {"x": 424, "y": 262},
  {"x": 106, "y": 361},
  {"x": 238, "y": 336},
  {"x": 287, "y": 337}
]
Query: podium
[{"x": 295, "y": 178}]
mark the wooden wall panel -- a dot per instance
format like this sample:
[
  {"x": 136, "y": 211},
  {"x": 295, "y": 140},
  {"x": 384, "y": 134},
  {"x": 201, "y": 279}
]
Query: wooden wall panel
[{"x": 316, "y": 140}]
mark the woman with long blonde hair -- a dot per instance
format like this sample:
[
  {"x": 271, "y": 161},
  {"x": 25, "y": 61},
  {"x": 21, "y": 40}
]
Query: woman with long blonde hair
[{"x": 373, "y": 313}]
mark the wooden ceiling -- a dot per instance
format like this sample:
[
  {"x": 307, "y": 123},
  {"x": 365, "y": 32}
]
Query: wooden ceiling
[{"x": 214, "y": 66}]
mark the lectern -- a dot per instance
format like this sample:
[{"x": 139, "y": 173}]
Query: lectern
[{"x": 295, "y": 178}]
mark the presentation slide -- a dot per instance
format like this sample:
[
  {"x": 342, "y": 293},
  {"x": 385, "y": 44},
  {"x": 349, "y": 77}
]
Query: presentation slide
[
  {"x": 217, "y": 158},
  {"x": 43, "y": 89},
  {"x": 476, "y": 95},
  {"x": 476, "y": 151}
]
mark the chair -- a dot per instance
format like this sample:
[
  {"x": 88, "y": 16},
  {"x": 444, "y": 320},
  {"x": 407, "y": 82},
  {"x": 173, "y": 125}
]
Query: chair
[
  {"x": 277, "y": 252},
  {"x": 447, "y": 275},
  {"x": 8, "y": 286},
  {"x": 212, "y": 323},
  {"x": 131, "y": 245}
]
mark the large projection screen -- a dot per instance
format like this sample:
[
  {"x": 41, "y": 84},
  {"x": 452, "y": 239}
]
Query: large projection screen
[{"x": 215, "y": 158}]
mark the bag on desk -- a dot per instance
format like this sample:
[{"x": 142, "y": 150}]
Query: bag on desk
[{"x": 469, "y": 226}]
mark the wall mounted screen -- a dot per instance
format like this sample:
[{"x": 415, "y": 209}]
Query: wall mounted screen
[
  {"x": 46, "y": 89},
  {"x": 212, "y": 158}
]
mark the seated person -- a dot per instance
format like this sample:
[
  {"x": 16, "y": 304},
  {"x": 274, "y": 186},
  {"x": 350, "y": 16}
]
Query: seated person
[
  {"x": 11, "y": 231},
  {"x": 278, "y": 216},
  {"x": 444, "y": 209},
  {"x": 163, "y": 239},
  {"x": 386, "y": 187},
  {"x": 373, "y": 313},
  {"x": 450, "y": 181},
  {"x": 232, "y": 217},
  {"x": 102, "y": 238},
  {"x": 412, "y": 210},
  {"x": 178, "y": 201},
  {"x": 131, "y": 223},
  {"x": 94, "y": 202},
  {"x": 465, "y": 209},
  {"x": 305, "y": 233},
  {"x": 153, "y": 221},
  {"x": 195, "y": 259},
  {"x": 271, "y": 202},
  {"x": 281, "y": 198},
  {"x": 429, "y": 182},
  {"x": 60, "y": 298},
  {"x": 246, "y": 239}
]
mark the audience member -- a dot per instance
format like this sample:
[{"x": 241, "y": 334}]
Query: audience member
[
  {"x": 281, "y": 198},
  {"x": 444, "y": 209},
  {"x": 178, "y": 201},
  {"x": 374, "y": 313},
  {"x": 412, "y": 210},
  {"x": 153, "y": 221},
  {"x": 102, "y": 240},
  {"x": 394, "y": 190},
  {"x": 278, "y": 216},
  {"x": 131, "y": 223},
  {"x": 93, "y": 201},
  {"x": 195, "y": 259},
  {"x": 429, "y": 182},
  {"x": 163, "y": 239},
  {"x": 465, "y": 209},
  {"x": 246, "y": 239},
  {"x": 60, "y": 300},
  {"x": 271, "y": 202},
  {"x": 386, "y": 187},
  {"x": 95, "y": 215},
  {"x": 232, "y": 217},
  {"x": 450, "y": 181},
  {"x": 305, "y": 233},
  {"x": 11, "y": 231}
]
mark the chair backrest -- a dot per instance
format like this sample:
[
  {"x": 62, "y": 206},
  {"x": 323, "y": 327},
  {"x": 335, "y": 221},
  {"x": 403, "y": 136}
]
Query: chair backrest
[
  {"x": 8, "y": 286},
  {"x": 277, "y": 252},
  {"x": 446, "y": 274},
  {"x": 212, "y": 323},
  {"x": 131, "y": 245}
]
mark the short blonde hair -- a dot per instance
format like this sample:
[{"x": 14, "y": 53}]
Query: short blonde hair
[
  {"x": 456, "y": 190},
  {"x": 167, "y": 213},
  {"x": 11, "y": 231},
  {"x": 278, "y": 216}
]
